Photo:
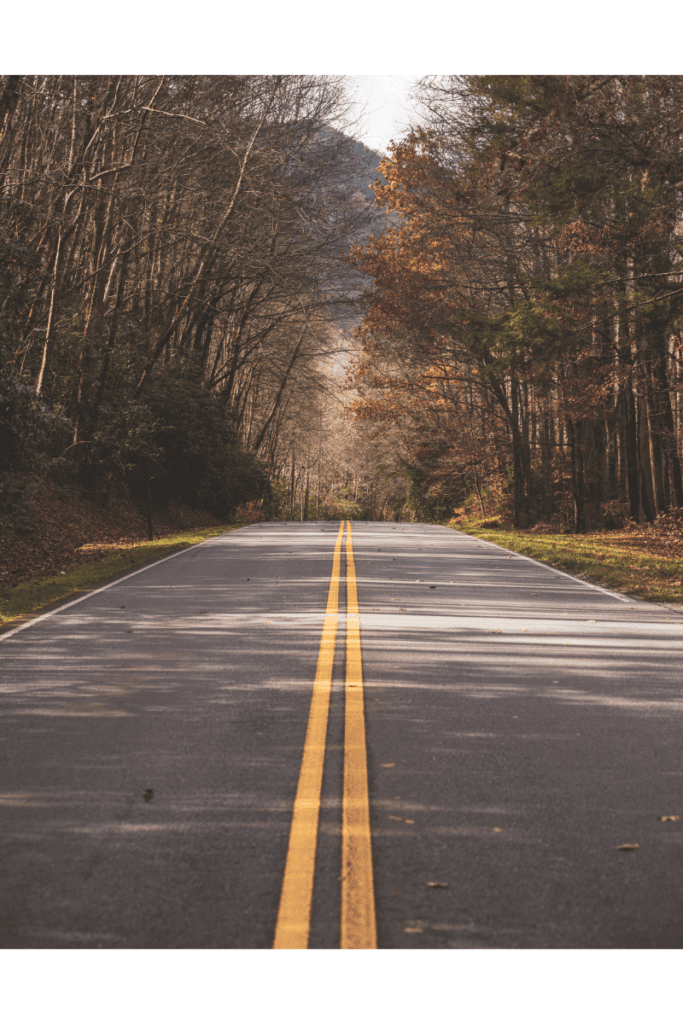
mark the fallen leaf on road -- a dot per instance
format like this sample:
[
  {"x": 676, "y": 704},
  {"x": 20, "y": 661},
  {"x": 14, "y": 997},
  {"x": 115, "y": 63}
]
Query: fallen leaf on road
[
  {"x": 669, "y": 817},
  {"x": 437, "y": 885},
  {"x": 497, "y": 830},
  {"x": 417, "y": 930},
  {"x": 627, "y": 847},
  {"x": 391, "y": 764}
]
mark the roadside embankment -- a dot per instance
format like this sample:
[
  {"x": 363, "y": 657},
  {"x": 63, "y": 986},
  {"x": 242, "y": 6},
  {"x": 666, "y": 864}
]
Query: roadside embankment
[
  {"x": 108, "y": 561},
  {"x": 65, "y": 543},
  {"x": 641, "y": 561}
]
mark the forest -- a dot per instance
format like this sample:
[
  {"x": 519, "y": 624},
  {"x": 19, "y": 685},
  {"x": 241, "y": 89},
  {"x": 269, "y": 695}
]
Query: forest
[
  {"x": 213, "y": 273},
  {"x": 175, "y": 287},
  {"x": 522, "y": 336}
]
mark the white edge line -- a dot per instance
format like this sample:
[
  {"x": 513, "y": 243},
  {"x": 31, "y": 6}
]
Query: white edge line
[
  {"x": 91, "y": 593},
  {"x": 567, "y": 575}
]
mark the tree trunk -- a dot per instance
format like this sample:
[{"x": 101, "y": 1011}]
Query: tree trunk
[
  {"x": 574, "y": 432},
  {"x": 291, "y": 491}
]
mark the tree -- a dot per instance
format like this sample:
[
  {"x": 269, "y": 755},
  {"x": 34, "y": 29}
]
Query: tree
[
  {"x": 535, "y": 272},
  {"x": 161, "y": 227}
]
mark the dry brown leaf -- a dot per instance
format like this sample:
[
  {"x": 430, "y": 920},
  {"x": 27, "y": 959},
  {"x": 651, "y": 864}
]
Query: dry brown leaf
[
  {"x": 669, "y": 817},
  {"x": 627, "y": 847},
  {"x": 437, "y": 885},
  {"x": 391, "y": 765},
  {"x": 497, "y": 830}
]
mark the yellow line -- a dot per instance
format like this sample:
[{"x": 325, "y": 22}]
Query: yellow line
[
  {"x": 294, "y": 915},
  {"x": 358, "y": 927}
]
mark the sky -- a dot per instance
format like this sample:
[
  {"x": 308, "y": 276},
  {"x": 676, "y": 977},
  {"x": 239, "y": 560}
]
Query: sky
[{"x": 385, "y": 107}]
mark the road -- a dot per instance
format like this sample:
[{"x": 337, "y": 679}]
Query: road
[{"x": 508, "y": 728}]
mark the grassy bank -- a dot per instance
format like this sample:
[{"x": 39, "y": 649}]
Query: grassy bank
[
  {"x": 637, "y": 561},
  {"x": 104, "y": 562}
]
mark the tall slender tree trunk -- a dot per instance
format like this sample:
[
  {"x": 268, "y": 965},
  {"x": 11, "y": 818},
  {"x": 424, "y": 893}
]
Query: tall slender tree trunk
[
  {"x": 574, "y": 433},
  {"x": 631, "y": 452},
  {"x": 517, "y": 462},
  {"x": 667, "y": 426},
  {"x": 291, "y": 489},
  {"x": 655, "y": 460},
  {"x": 50, "y": 316}
]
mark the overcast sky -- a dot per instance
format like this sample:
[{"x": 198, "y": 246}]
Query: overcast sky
[{"x": 385, "y": 107}]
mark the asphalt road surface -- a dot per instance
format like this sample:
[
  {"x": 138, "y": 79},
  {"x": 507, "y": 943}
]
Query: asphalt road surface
[{"x": 490, "y": 738}]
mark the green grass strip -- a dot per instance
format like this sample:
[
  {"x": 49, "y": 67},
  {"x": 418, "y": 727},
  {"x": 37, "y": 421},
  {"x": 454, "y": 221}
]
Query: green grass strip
[
  {"x": 600, "y": 558},
  {"x": 114, "y": 560}
]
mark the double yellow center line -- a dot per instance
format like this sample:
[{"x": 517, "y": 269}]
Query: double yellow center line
[{"x": 358, "y": 927}]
